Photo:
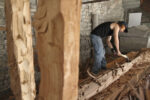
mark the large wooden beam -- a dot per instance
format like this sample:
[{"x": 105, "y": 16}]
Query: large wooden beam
[
  {"x": 90, "y": 89},
  {"x": 121, "y": 86},
  {"x": 57, "y": 24},
  {"x": 121, "y": 60},
  {"x": 20, "y": 51}
]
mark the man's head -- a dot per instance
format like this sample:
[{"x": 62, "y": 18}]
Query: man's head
[{"x": 123, "y": 26}]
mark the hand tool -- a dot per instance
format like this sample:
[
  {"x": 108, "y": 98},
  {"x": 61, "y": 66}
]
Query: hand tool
[{"x": 126, "y": 57}]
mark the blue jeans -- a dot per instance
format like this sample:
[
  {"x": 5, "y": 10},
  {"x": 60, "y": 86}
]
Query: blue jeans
[{"x": 99, "y": 54}]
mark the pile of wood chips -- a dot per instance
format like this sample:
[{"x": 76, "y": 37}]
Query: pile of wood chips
[
  {"x": 140, "y": 91},
  {"x": 134, "y": 85}
]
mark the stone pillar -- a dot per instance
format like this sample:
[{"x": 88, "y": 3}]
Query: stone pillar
[{"x": 95, "y": 21}]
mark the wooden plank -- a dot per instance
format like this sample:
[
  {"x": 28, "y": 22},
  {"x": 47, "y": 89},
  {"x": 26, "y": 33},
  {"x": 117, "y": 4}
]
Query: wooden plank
[
  {"x": 57, "y": 24},
  {"x": 90, "y": 89},
  {"x": 20, "y": 51}
]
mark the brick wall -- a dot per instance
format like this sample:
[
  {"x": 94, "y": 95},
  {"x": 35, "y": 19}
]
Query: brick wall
[{"x": 4, "y": 77}]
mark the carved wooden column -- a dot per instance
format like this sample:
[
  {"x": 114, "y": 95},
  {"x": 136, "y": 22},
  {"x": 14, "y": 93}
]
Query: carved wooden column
[
  {"x": 57, "y": 23},
  {"x": 20, "y": 51}
]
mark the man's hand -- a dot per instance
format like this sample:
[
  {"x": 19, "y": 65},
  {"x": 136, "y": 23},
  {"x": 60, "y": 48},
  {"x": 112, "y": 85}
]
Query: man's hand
[
  {"x": 119, "y": 53},
  {"x": 122, "y": 55},
  {"x": 126, "y": 57},
  {"x": 113, "y": 51}
]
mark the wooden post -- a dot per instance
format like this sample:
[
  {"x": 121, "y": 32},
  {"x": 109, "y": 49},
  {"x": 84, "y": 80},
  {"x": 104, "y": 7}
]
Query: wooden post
[
  {"x": 57, "y": 23},
  {"x": 20, "y": 51}
]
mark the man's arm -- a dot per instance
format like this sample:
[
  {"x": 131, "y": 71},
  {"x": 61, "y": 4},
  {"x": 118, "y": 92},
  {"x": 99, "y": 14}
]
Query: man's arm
[
  {"x": 116, "y": 39},
  {"x": 109, "y": 43},
  {"x": 108, "y": 39}
]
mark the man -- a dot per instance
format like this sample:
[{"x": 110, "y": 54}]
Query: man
[{"x": 108, "y": 30}]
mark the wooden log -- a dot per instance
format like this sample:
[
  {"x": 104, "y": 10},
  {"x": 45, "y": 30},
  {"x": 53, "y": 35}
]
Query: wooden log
[
  {"x": 122, "y": 60},
  {"x": 113, "y": 63},
  {"x": 20, "y": 51},
  {"x": 57, "y": 24},
  {"x": 147, "y": 91},
  {"x": 121, "y": 88},
  {"x": 141, "y": 92},
  {"x": 90, "y": 89},
  {"x": 120, "y": 93},
  {"x": 135, "y": 92}
]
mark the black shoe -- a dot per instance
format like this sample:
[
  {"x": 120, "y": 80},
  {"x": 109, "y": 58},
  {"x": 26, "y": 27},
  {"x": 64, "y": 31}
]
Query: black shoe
[{"x": 91, "y": 74}]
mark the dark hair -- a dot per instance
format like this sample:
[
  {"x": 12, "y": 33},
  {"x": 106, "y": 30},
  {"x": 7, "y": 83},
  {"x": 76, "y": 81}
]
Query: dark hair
[{"x": 121, "y": 23}]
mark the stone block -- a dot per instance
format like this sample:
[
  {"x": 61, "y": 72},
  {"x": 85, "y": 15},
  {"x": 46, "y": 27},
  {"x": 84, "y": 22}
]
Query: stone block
[
  {"x": 128, "y": 4},
  {"x": 135, "y": 39}
]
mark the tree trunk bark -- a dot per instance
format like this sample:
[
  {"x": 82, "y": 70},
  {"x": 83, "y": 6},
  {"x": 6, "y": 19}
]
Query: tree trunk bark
[
  {"x": 57, "y": 24},
  {"x": 20, "y": 51}
]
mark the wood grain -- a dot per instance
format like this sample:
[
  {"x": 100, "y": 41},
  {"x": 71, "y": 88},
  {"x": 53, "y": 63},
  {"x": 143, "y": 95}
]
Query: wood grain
[
  {"x": 57, "y": 24},
  {"x": 90, "y": 89},
  {"x": 20, "y": 51}
]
